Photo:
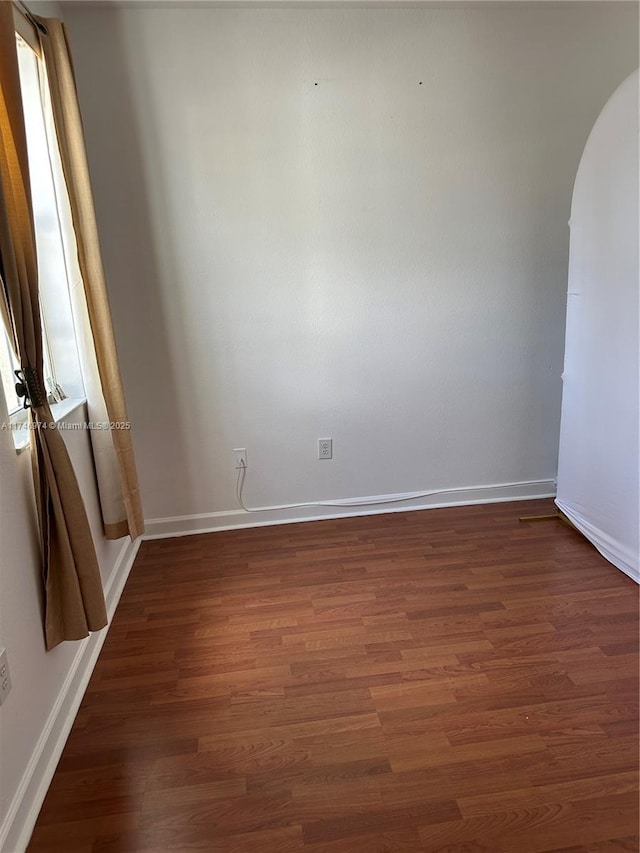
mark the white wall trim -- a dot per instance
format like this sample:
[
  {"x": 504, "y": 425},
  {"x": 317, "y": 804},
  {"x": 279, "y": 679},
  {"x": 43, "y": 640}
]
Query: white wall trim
[
  {"x": 22, "y": 814},
  {"x": 186, "y": 525}
]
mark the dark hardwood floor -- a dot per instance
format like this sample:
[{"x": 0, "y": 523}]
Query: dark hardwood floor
[{"x": 443, "y": 680}]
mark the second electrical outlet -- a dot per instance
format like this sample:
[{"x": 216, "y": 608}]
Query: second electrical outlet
[
  {"x": 240, "y": 457},
  {"x": 325, "y": 448}
]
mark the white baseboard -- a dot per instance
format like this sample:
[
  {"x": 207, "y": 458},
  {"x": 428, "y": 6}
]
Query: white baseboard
[
  {"x": 185, "y": 525},
  {"x": 21, "y": 817}
]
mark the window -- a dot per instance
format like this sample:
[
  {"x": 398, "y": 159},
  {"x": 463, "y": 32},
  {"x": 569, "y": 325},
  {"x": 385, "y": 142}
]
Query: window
[
  {"x": 8, "y": 364},
  {"x": 54, "y": 242}
]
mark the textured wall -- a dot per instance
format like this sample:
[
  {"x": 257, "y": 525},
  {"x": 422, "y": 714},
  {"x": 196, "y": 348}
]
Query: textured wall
[{"x": 341, "y": 222}]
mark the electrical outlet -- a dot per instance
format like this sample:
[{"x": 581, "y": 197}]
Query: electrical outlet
[
  {"x": 325, "y": 448},
  {"x": 5, "y": 678},
  {"x": 239, "y": 457}
]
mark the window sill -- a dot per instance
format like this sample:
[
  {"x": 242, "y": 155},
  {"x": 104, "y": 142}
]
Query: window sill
[{"x": 60, "y": 411}]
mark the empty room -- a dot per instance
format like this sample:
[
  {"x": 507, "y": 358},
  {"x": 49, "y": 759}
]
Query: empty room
[{"x": 319, "y": 426}]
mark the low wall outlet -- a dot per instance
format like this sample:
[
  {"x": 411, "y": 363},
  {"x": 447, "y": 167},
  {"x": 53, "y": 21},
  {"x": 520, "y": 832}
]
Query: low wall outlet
[
  {"x": 5, "y": 678},
  {"x": 240, "y": 457},
  {"x": 325, "y": 448}
]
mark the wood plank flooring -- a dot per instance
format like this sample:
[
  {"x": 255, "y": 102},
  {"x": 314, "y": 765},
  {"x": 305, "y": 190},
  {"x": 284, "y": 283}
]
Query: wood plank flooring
[{"x": 447, "y": 680}]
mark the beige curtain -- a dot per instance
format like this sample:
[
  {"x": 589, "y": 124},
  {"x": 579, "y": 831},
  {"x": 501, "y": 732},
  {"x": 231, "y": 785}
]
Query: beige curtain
[
  {"x": 74, "y": 598},
  {"x": 113, "y": 449}
]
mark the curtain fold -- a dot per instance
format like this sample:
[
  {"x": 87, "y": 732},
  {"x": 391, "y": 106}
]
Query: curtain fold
[
  {"x": 113, "y": 449},
  {"x": 74, "y": 600}
]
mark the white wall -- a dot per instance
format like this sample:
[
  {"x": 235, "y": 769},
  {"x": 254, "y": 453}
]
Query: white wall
[
  {"x": 599, "y": 437},
  {"x": 380, "y": 257}
]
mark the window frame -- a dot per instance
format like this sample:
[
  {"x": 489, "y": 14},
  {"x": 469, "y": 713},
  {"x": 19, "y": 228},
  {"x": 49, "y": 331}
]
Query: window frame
[
  {"x": 26, "y": 30},
  {"x": 61, "y": 405}
]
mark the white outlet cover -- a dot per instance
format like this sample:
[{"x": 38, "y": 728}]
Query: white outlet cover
[
  {"x": 325, "y": 448},
  {"x": 5, "y": 677}
]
